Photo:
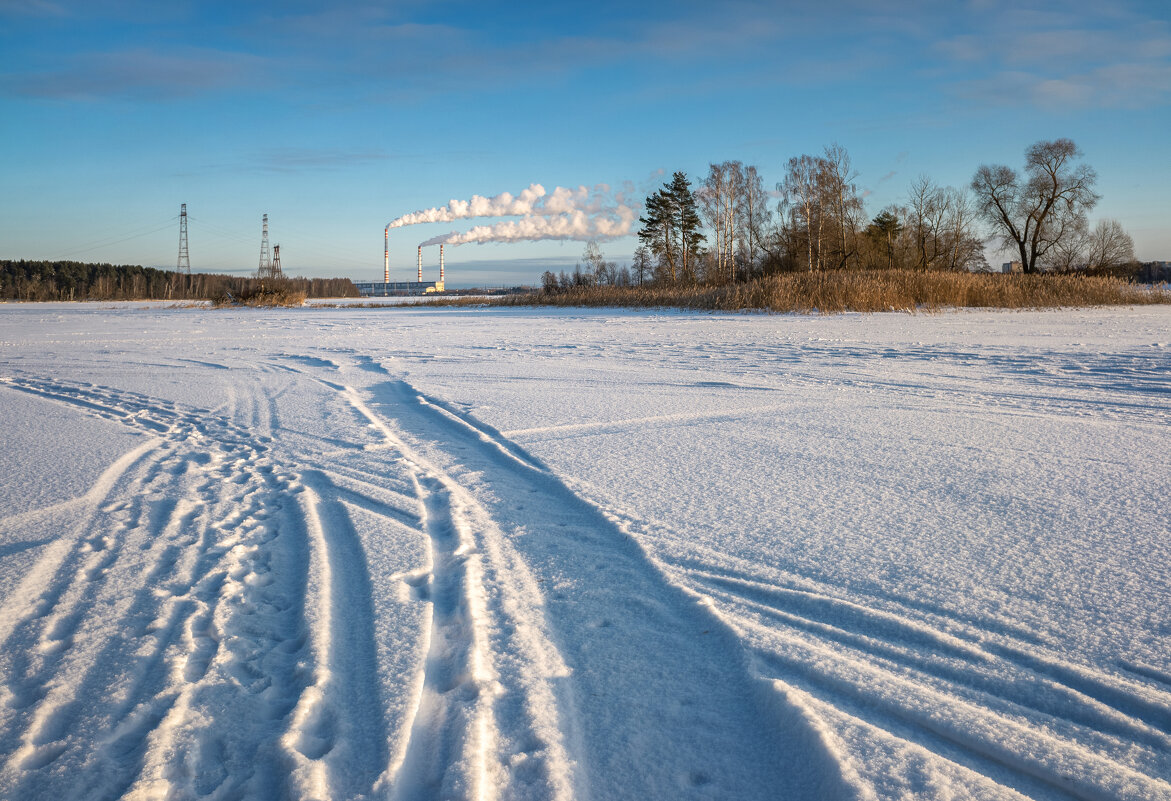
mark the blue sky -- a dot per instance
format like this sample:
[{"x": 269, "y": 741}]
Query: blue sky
[{"x": 334, "y": 118}]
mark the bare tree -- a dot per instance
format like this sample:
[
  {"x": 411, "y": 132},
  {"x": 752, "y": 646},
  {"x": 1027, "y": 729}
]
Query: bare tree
[
  {"x": 712, "y": 197},
  {"x": 821, "y": 209},
  {"x": 928, "y": 207},
  {"x": 756, "y": 217},
  {"x": 1108, "y": 245},
  {"x": 643, "y": 264},
  {"x": 802, "y": 202},
  {"x": 721, "y": 199},
  {"x": 965, "y": 248},
  {"x": 842, "y": 202},
  {"x": 1070, "y": 252},
  {"x": 1035, "y": 214},
  {"x": 941, "y": 224},
  {"x": 602, "y": 272}
]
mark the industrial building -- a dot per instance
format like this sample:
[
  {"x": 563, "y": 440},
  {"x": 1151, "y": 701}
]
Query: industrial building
[{"x": 386, "y": 289}]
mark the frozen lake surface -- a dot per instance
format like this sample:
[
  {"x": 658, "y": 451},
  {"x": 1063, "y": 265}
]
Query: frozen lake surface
[{"x": 415, "y": 554}]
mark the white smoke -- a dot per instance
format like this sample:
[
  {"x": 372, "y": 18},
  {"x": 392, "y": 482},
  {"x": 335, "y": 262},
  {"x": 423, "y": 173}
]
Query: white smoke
[
  {"x": 503, "y": 205},
  {"x": 577, "y": 225},
  {"x": 531, "y": 202}
]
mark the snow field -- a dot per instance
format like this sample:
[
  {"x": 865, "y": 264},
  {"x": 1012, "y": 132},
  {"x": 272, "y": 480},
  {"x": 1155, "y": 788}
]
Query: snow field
[{"x": 531, "y": 554}]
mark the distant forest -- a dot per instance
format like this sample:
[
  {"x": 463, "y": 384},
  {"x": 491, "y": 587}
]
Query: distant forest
[{"x": 71, "y": 280}]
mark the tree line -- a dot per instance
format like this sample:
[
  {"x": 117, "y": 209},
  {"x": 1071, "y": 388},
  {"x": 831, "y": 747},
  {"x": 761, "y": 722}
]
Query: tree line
[
  {"x": 729, "y": 228},
  {"x": 71, "y": 280}
]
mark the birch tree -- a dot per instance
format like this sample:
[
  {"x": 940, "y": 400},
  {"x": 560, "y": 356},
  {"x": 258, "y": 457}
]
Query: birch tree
[
  {"x": 718, "y": 199},
  {"x": 801, "y": 203},
  {"x": 755, "y": 217}
]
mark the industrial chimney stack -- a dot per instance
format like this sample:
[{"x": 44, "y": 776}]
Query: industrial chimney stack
[
  {"x": 420, "y": 264},
  {"x": 441, "y": 265},
  {"x": 386, "y": 255}
]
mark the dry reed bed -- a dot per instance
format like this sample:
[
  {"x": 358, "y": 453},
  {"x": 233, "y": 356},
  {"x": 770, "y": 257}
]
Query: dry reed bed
[
  {"x": 262, "y": 297},
  {"x": 832, "y": 292}
]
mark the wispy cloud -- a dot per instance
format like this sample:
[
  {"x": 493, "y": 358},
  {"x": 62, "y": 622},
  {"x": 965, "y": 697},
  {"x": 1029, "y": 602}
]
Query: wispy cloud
[
  {"x": 1106, "y": 87},
  {"x": 139, "y": 73},
  {"x": 309, "y": 159},
  {"x": 31, "y": 8},
  {"x": 992, "y": 52},
  {"x": 1060, "y": 60}
]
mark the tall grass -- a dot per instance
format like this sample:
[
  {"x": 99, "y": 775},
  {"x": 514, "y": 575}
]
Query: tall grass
[
  {"x": 279, "y": 293},
  {"x": 836, "y": 291}
]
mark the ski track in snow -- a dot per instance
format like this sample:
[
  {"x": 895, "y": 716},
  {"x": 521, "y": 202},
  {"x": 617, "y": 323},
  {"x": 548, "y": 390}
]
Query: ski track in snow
[{"x": 217, "y": 626}]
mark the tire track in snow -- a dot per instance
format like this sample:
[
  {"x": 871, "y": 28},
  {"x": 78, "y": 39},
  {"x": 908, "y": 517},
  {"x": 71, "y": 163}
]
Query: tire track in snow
[
  {"x": 43, "y": 618},
  {"x": 447, "y": 745},
  {"x": 1044, "y": 685},
  {"x": 338, "y": 741},
  {"x": 951, "y": 687},
  {"x": 652, "y": 691},
  {"x": 485, "y": 723}
]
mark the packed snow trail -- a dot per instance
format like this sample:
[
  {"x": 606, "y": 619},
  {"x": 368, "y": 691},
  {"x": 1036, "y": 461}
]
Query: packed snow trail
[{"x": 640, "y": 657}]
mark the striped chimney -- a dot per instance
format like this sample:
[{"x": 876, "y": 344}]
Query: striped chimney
[
  {"x": 441, "y": 264},
  {"x": 420, "y": 264},
  {"x": 386, "y": 255}
]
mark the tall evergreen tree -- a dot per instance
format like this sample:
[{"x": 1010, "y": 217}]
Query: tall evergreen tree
[
  {"x": 670, "y": 228},
  {"x": 686, "y": 222},
  {"x": 885, "y": 228},
  {"x": 657, "y": 232}
]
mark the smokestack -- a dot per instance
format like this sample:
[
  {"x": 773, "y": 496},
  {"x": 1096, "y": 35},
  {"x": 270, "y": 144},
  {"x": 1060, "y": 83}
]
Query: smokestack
[
  {"x": 386, "y": 255},
  {"x": 420, "y": 264},
  {"x": 441, "y": 264}
]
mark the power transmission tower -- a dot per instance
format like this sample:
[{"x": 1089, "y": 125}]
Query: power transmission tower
[
  {"x": 184, "y": 265},
  {"x": 275, "y": 270},
  {"x": 265, "y": 264}
]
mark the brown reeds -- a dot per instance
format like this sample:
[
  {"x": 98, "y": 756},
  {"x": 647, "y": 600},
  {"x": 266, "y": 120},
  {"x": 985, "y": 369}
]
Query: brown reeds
[
  {"x": 833, "y": 291},
  {"x": 279, "y": 294}
]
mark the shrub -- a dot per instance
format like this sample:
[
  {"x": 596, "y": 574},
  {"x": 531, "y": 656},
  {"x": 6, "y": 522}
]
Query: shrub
[{"x": 278, "y": 294}]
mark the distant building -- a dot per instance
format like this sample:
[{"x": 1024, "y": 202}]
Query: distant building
[
  {"x": 381, "y": 289},
  {"x": 1012, "y": 267}
]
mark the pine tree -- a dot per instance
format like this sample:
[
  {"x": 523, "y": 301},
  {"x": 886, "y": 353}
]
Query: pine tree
[
  {"x": 657, "y": 230},
  {"x": 886, "y": 227},
  {"x": 686, "y": 222},
  {"x": 671, "y": 228}
]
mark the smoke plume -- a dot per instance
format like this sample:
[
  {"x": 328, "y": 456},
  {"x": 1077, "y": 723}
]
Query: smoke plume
[
  {"x": 575, "y": 225},
  {"x": 503, "y": 205},
  {"x": 531, "y": 202}
]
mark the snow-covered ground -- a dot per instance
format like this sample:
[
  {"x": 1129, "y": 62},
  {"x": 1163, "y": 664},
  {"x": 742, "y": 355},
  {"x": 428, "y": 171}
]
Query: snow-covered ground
[{"x": 415, "y": 554}]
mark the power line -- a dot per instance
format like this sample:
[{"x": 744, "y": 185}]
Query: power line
[
  {"x": 109, "y": 242},
  {"x": 223, "y": 233}
]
